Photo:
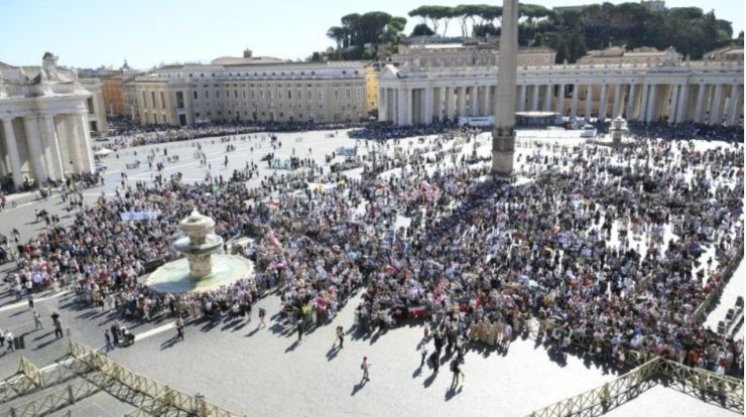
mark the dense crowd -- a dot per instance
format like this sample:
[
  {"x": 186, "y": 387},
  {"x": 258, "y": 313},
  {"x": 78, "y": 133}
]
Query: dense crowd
[
  {"x": 687, "y": 131},
  {"x": 605, "y": 253},
  {"x": 125, "y": 133}
]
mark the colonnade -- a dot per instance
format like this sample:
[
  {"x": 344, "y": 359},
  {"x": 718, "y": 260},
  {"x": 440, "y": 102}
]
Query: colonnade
[
  {"x": 709, "y": 102},
  {"x": 45, "y": 146}
]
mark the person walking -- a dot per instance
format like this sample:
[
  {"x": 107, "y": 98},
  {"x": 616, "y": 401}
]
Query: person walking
[
  {"x": 262, "y": 313},
  {"x": 300, "y": 329},
  {"x": 456, "y": 369},
  {"x": 109, "y": 344},
  {"x": 341, "y": 336},
  {"x": 365, "y": 366},
  {"x": 115, "y": 333},
  {"x": 423, "y": 353},
  {"x": 435, "y": 361},
  {"x": 57, "y": 325},
  {"x": 180, "y": 328},
  {"x": 30, "y": 298},
  {"x": 37, "y": 320},
  {"x": 9, "y": 338}
]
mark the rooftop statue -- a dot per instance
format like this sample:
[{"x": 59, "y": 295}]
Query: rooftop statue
[{"x": 49, "y": 72}]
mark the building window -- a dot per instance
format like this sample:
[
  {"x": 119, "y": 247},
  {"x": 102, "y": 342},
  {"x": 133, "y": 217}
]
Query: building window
[
  {"x": 89, "y": 103},
  {"x": 152, "y": 100},
  {"x": 290, "y": 95},
  {"x": 163, "y": 100},
  {"x": 194, "y": 94},
  {"x": 144, "y": 101},
  {"x": 179, "y": 100}
]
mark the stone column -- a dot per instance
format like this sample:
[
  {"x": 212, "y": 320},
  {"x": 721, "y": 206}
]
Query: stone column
[
  {"x": 615, "y": 111},
  {"x": 503, "y": 137},
  {"x": 382, "y": 105},
  {"x": 33, "y": 143},
  {"x": 400, "y": 107},
  {"x": 682, "y": 107},
  {"x": 631, "y": 102},
  {"x": 83, "y": 140},
  {"x": 12, "y": 146},
  {"x": 56, "y": 167},
  {"x": 461, "y": 101},
  {"x": 438, "y": 103},
  {"x": 522, "y": 98},
  {"x": 548, "y": 93},
  {"x": 733, "y": 100},
  {"x": 716, "y": 106},
  {"x": 473, "y": 111},
  {"x": 739, "y": 104},
  {"x": 588, "y": 102},
  {"x": 535, "y": 98},
  {"x": 603, "y": 100},
  {"x": 560, "y": 107},
  {"x": 574, "y": 104},
  {"x": 409, "y": 110},
  {"x": 446, "y": 101},
  {"x": 699, "y": 110},
  {"x": 428, "y": 105},
  {"x": 486, "y": 99},
  {"x": 643, "y": 112},
  {"x": 652, "y": 107},
  {"x": 673, "y": 107}
]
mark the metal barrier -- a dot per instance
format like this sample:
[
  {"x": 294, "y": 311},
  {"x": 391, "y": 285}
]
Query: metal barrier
[
  {"x": 710, "y": 387},
  {"x": 713, "y": 298},
  {"x": 31, "y": 371},
  {"x": 54, "y": 401},
  {"x": 161, "y": 393}
]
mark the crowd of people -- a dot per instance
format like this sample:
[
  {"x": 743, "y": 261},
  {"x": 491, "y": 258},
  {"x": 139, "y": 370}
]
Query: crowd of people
[
  {"x": 125, "y": 133},
  {"x": 687, "y": 131},
  {"x": 605, "y": 253}
]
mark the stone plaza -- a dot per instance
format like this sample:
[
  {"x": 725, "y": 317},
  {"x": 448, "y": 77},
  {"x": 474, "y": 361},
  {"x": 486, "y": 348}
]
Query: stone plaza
[{"x": 265, "y": 372}]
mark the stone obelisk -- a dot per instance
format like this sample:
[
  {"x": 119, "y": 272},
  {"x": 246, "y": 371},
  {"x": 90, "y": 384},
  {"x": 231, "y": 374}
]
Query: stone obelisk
[{"x": 503, "y": 137}]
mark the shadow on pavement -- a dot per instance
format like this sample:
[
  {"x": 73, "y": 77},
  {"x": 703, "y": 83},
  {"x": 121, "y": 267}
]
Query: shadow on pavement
[
  {"x": 429, "y": 381},
  {"x": 452, "y": 392},
  {"x": 332, "y": 353},
  {"x": 170, "y": 342},
  {"x": 292, "y": 347},
  {"x": 358, "y": 387}
]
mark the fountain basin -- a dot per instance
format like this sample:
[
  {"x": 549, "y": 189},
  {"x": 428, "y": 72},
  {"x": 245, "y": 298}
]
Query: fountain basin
[{"x": 174, "y": 277}]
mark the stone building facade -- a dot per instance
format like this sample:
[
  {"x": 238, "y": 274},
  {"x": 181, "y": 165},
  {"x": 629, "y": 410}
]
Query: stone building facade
[
  {"x": 421, "y": 86},
  {"x": 48, "y": 116},
  {"x": 245, "y": 90}
]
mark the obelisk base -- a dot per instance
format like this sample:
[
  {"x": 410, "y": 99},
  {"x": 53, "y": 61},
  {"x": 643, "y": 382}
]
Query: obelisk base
[{"x": 503, "y": 149}]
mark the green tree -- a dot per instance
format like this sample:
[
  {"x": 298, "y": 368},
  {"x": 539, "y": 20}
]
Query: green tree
[
  {"x": 422, "y": 29},
  {"x": 538, "y": 39}
]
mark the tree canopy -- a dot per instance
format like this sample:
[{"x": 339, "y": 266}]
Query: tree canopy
[{"x": 570, "y": 32}]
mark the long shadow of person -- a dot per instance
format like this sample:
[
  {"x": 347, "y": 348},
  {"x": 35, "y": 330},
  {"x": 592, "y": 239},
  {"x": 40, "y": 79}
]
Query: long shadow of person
[
  {"x": 429, "y": 381},
  {"x": 292, "y": 347},
  {"x": 453, "y": 391},
  {"x": 332, "y": 353},
  {"x": 358, "y": 386},
  {"x": 170, "y": 342}
]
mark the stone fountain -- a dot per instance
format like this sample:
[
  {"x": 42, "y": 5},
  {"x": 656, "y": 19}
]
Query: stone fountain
[
  {"x": 199, "y": 244},
  {"x": 204, "y": 268}
]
